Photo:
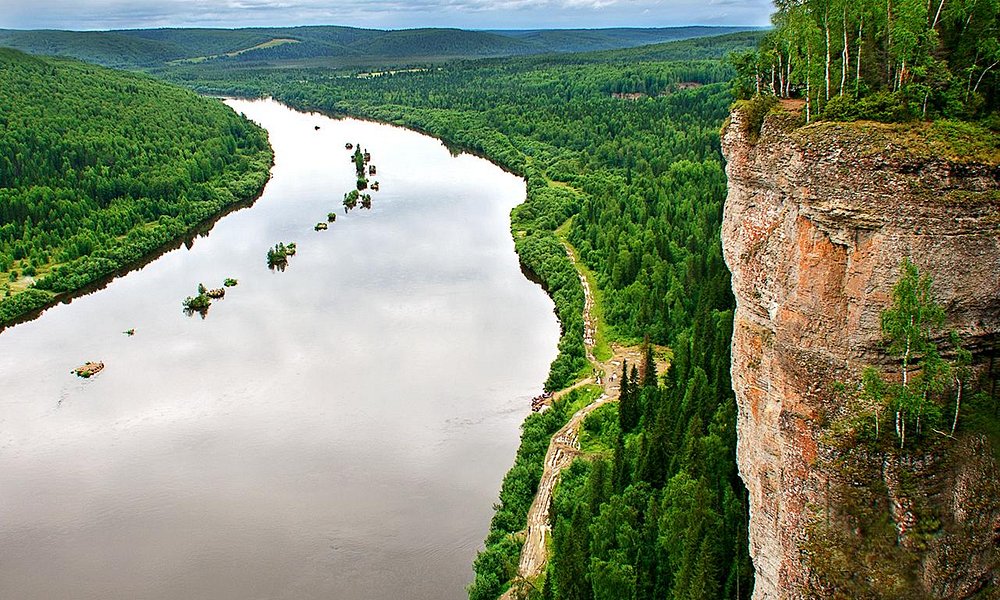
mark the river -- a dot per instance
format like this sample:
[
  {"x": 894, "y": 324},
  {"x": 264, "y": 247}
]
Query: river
[{"x": 336, "y": 430}]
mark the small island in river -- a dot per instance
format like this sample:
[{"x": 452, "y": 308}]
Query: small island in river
[{"x": 89, "y": 369}]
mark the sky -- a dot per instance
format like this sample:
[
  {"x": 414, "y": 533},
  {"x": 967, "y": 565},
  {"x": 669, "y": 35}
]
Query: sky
[{"x": 381, "y": 14}]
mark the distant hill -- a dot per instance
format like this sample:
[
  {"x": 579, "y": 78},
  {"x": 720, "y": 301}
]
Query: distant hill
[
  {"x": 107, "y": 48},
  {"x": 587, "y": 40},
  {"x": 328, "y": 45},
  {"x": 446, "y": 42}
]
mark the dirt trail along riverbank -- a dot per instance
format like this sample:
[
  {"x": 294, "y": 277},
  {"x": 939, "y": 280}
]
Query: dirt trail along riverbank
[{"x": 565, "y": 445}]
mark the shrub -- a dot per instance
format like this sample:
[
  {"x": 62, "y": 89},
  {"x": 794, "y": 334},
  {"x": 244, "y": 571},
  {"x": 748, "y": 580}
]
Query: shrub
[{"x": 754, "y": 110}]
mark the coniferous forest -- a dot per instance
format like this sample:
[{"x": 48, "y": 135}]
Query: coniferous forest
[
  {"x": 624, "y": 146},
  {"x": 99, "y": 168}
]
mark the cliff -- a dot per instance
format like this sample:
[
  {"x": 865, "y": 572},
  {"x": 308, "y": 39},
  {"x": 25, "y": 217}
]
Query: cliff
[{"x": 817, "y": 221}]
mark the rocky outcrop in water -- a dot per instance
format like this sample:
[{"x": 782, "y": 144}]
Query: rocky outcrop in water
[{"x": 816, "y": 223}]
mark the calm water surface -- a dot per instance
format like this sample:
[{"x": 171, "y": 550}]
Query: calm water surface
[{"x": 337, "y": 430}]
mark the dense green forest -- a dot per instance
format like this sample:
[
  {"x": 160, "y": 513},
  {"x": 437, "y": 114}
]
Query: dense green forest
[
  {"x": 887, "y": 59},
  {"x": 326, "y": 46},
  {"x": 100, "y": 168},
  {"x": 627, "y": 144}
]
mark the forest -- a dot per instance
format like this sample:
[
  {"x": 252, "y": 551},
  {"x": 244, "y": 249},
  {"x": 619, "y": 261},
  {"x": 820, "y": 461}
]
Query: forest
[
  {"x": 889, "y": 60},
  {"x": 324, "y": 45},
  {"x": 625, "y": 142},
  {"x": 99, "y": 168}
]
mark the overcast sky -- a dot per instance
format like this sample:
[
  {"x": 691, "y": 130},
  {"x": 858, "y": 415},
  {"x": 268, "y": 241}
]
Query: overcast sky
[{"x": 469, "y": 14}]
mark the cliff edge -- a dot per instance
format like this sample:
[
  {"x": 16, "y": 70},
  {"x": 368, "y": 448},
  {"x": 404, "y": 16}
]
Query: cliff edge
[{"x": 816, "y": 224}]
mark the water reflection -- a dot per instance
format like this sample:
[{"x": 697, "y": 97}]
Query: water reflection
[{"x": 337, "y": 430}]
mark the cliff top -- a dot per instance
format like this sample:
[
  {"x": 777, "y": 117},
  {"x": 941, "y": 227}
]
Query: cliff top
[
  {"x": 950, "y": 140},
  {"x": 945, "y": 139}
]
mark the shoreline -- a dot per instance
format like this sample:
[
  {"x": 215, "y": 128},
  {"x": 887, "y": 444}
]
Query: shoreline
[{"x": 187, "y": 238}]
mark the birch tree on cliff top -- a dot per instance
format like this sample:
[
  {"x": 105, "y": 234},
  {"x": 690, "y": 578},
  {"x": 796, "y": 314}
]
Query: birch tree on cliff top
[{"x": 924, "y": 58}]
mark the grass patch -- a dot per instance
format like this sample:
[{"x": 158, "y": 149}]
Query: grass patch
[
  {"x": 582, "y": 396},
  {"x": 951, "y": 140},
  {"x": 268, "y": 44}
]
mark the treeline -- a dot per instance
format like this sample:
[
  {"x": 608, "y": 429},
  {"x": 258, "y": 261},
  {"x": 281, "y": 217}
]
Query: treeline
[
  {"x": 908, "y": 58},
  {"x": 644, "y": 181},
  {"x": 99, "y": 168}
]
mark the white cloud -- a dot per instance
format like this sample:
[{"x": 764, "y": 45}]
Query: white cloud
[{"x": 481, "y": 14}]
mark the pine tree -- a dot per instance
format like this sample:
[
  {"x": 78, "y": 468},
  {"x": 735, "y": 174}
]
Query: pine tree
[{"x": 649, "y": 378}]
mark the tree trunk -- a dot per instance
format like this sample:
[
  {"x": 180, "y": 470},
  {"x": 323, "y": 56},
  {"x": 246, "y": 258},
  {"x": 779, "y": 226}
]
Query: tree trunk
[
  {"x": 958, "y": 405},
  {"x": 906, "y": 356},
  {"x": 899, "y": 429},
  {"x": 845, "y": 64},
  {"x": 857, "y": 76},
  {"x": 888, "y": 41},
  {"x": 808, "y": 85},
  {"x": 826, "y": 26},
  {"x": 938, "y": 15},
  {"x": 781, "y": 78},
  {"x": 985, "y": 71},
  {"x": 788, "y": 75}
]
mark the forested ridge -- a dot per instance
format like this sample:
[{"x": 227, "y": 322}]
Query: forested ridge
[
  {"x": 324, "y": 45},
  {"x": 99, "y": 168},
  {"x": 629, "y": 147}
]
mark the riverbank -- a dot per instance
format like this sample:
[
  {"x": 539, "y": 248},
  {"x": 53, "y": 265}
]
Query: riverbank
[
  {"x": 38, "y": 301},
  {"x": 100, "y": 182}
]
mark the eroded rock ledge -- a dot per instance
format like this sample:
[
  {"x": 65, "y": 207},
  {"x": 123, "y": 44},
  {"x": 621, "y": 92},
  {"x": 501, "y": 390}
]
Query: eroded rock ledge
[{"x": 816, "y": 223}]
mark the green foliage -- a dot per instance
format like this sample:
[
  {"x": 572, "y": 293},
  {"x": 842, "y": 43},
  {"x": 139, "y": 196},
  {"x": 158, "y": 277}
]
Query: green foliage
[
  {"x": 99, "y": 169},
  {"x": 600, "y": 431},
  {"x": 754, "y": 110},
  {"x": 542, "y": 253},
  {"x": 886, "y": 107},
  {"x": 277, "y": 257},
  {"x": 584, "y": 40},
  {"x": 911, "y": 58},
  {"x": 359, "y": 161},
  {"x": 918, "y": 396},
  {"x": 199, "y": 303},
  {"x": 24, "y": 303},
  {"x": 351, "y": 199},
  {"x": 666, "y": 515},
  {"x": 908, "y": 325}
]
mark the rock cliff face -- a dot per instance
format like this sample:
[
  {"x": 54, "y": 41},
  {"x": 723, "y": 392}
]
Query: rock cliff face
[{"x": 816, "y": 224}]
